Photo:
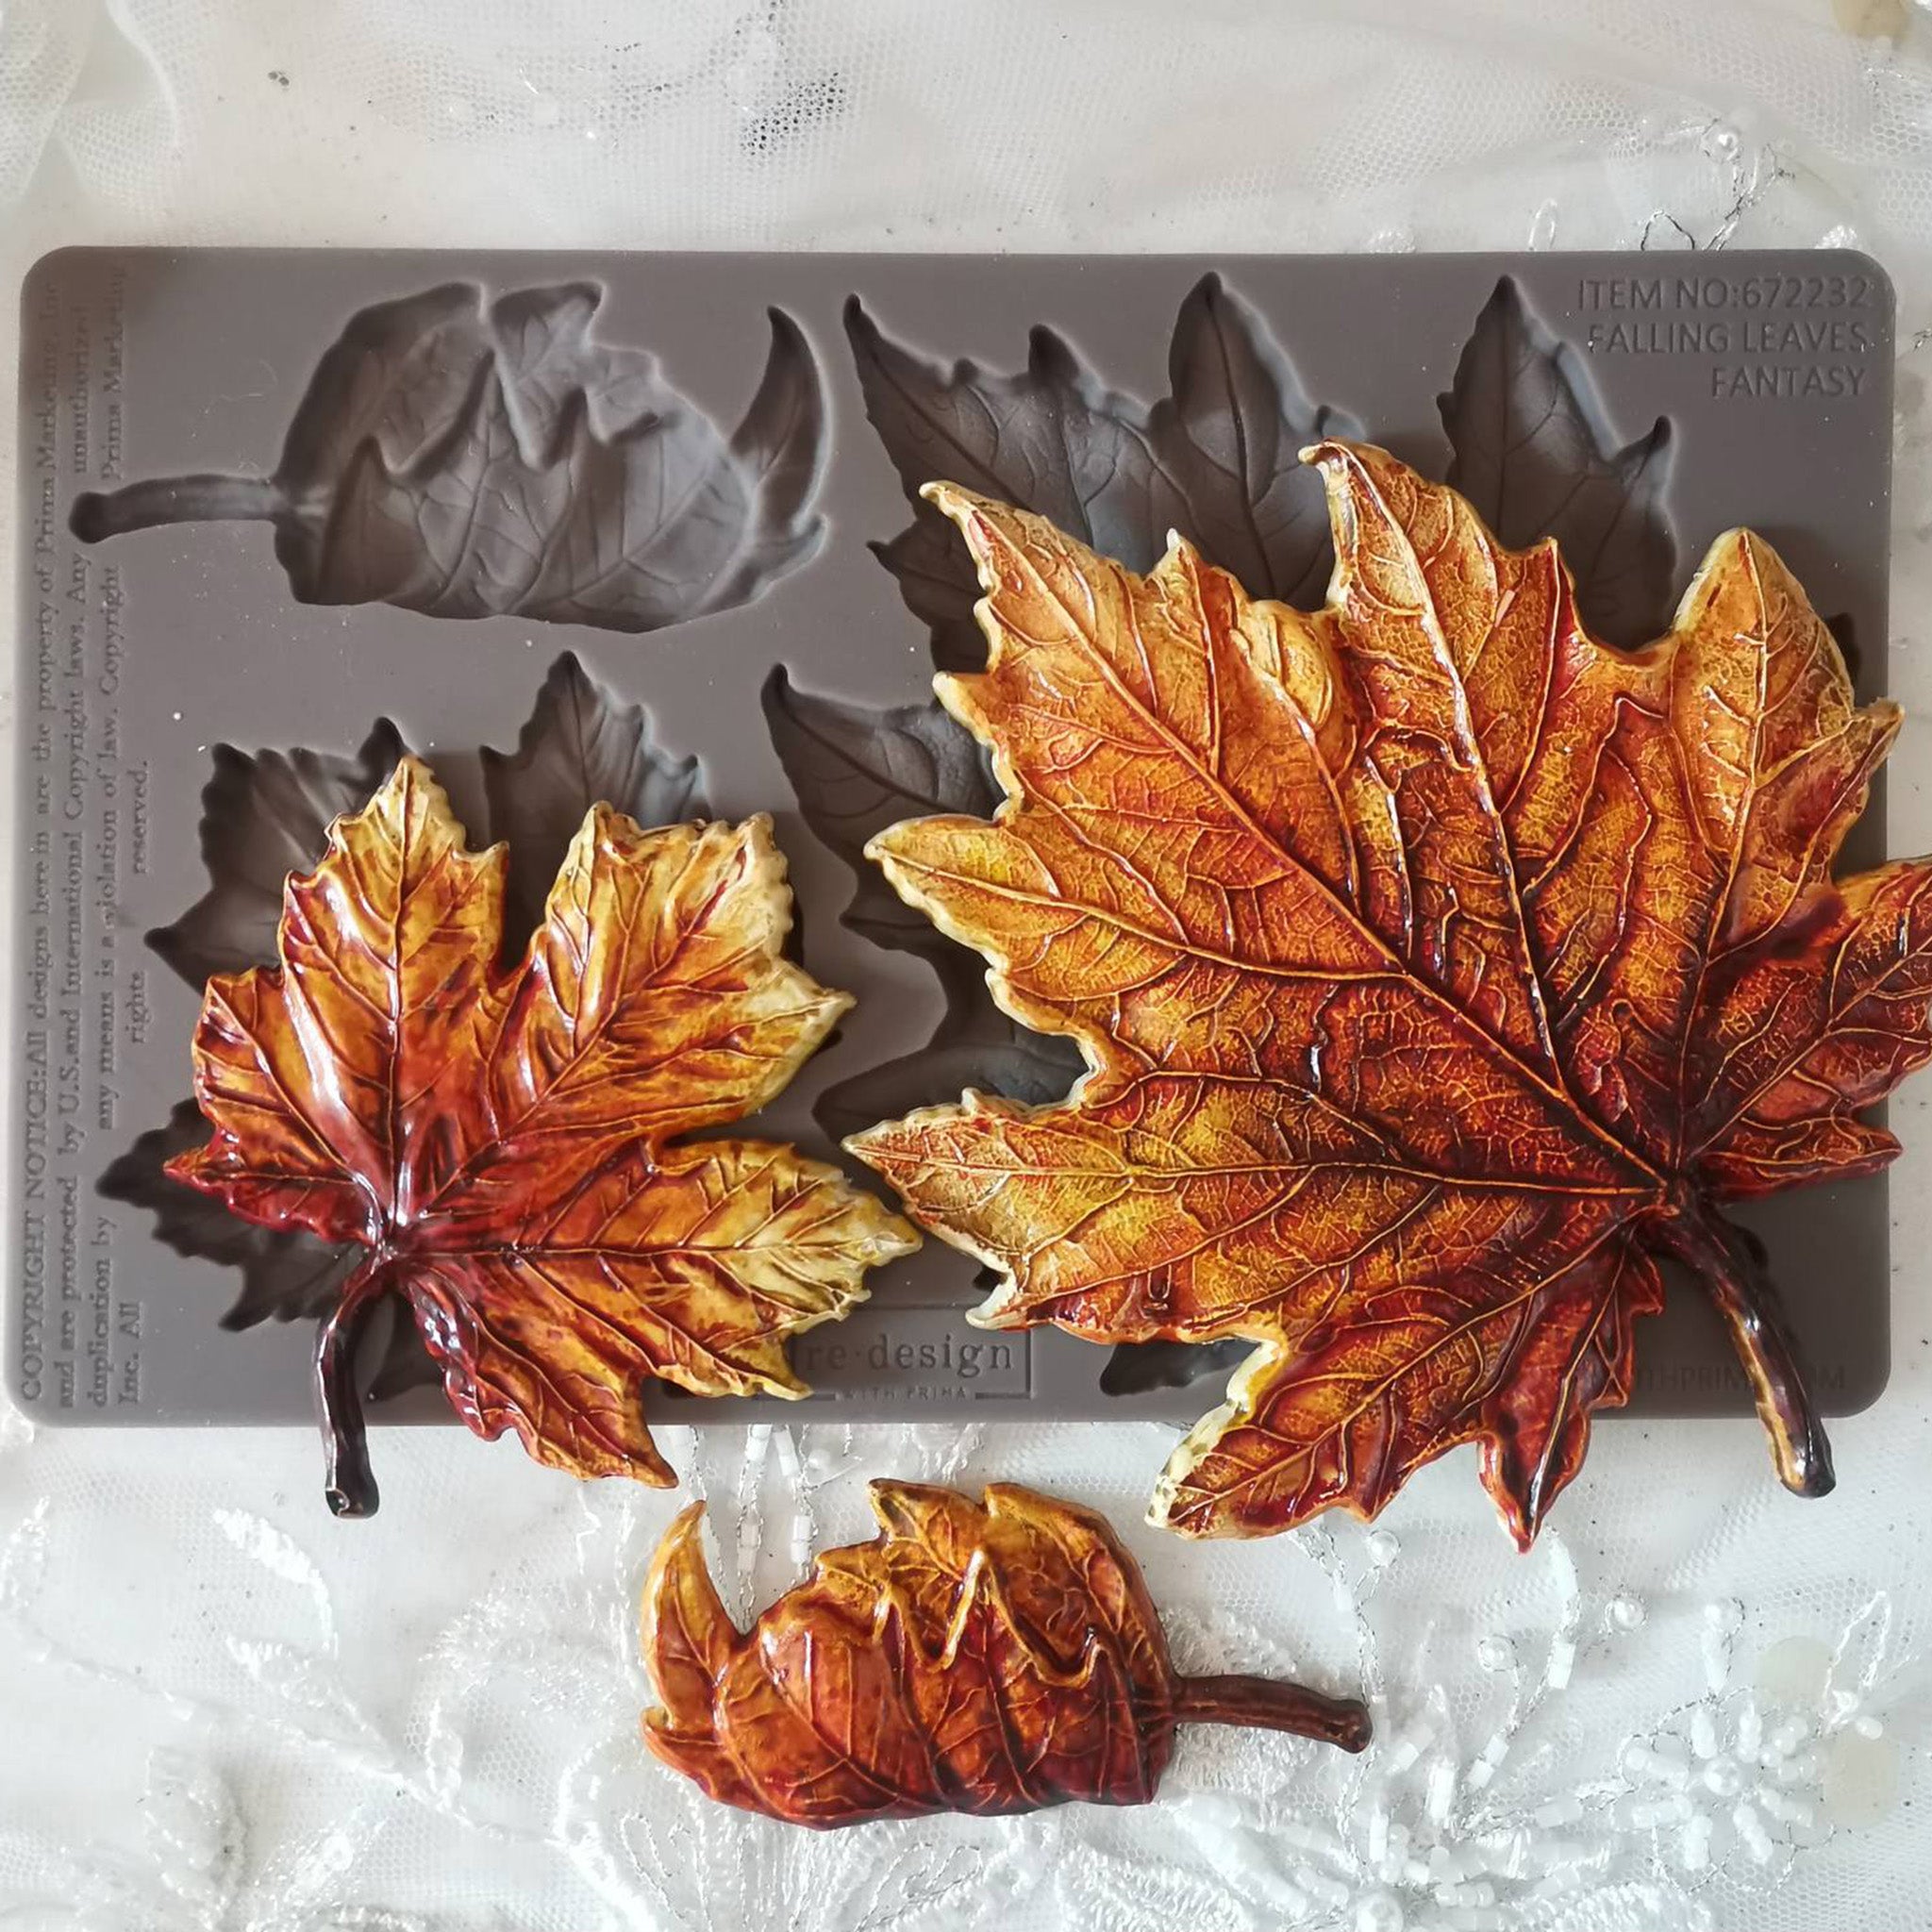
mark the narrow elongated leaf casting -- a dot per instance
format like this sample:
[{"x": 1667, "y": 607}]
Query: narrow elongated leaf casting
[
  {"x": 505, "y": 1144},
  {"x": 994, "y": 1657},
  {"x": 1438, "y": 967}
]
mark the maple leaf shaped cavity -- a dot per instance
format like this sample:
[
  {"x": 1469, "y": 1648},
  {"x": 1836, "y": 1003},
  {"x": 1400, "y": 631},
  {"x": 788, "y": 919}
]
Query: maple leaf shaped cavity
[
  {"x": 1438, "y": 968},
  {"x": 508, "y": 1146},
  {"x": 1533, "y": 452}
]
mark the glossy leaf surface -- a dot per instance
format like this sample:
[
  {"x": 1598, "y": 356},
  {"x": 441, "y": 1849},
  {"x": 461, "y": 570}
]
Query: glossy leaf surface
[
  {"x": 1530, "y": 447},
  {"x": 986, "y": 1658},
  {"x": 470, "y": 456},
  {"x": 1437, "y": 966},
  {"x": 262, "y": 818},
  {"x": 267, "y": 815},
  {"x": 507, "y": 1146},
  {"x": 1531, "y": 450},
  {"x": 582, "y": 746}
]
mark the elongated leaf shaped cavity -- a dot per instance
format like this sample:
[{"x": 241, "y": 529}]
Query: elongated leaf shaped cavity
[
  {"x": 508, "y": 1147},
  {"x": 469, "y": 457}
]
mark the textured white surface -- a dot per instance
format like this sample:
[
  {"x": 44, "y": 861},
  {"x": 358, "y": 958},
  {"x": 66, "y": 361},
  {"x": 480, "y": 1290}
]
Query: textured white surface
[{"x": 1699, "y": 1704}]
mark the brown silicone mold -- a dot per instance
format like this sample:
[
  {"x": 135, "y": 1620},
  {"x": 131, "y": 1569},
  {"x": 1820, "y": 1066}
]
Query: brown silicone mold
[{"x": 649, "y": 521}]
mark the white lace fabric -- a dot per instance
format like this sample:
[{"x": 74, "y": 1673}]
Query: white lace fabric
[{"x": 1698, "y": 1704}]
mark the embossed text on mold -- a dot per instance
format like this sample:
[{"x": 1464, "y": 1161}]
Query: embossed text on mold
[{"x": 1771, "y": 337}]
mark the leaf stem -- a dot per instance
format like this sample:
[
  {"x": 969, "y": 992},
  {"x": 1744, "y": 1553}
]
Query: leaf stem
[
  {"x": 200, "y": 499},
  {"x": 1267, "y": 1704},
  {"x": 350, "y": 1486},
  {"x": 1732, "y": 1267}
]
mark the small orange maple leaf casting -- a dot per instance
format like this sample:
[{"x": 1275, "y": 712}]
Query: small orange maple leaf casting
[
  {"x": 1437, "y": 966},
  {"x": 505, "y": 1142},
  {"x": 990, "y": 1660}
]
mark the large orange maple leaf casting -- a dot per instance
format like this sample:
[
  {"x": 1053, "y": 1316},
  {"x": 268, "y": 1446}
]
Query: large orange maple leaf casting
[{"x": 1437, "y": 966}]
